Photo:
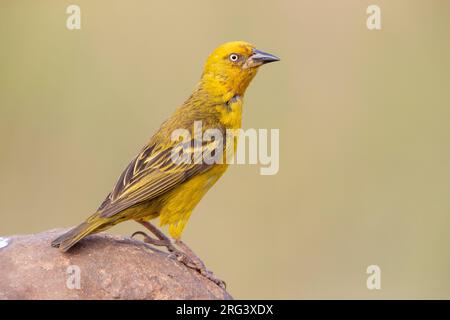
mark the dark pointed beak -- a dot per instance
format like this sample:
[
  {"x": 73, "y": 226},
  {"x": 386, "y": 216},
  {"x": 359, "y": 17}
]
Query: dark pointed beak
[
  {"x": 259, "y": 58},
  {"x": 263, "y": 57}
]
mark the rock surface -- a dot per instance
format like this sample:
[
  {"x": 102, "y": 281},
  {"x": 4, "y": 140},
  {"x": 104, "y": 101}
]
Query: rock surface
[{"x": 101, "y": 266}]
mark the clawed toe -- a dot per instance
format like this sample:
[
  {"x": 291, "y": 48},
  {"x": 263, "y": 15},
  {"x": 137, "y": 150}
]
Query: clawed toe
[
  {"x": 182, "y": 258},
  {"x": 181, "y": 252},
  {"x": 209, "y": 275}
]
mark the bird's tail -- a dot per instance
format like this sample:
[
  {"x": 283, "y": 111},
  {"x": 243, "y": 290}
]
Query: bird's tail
[{"x": 71, "y": 237}]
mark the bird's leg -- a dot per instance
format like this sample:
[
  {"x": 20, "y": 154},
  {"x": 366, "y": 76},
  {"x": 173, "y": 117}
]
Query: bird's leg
[
  {"x": 149, "y": 239},
  {"x": 198, "y": 264},
  {"x": 185, "y": 255},
  {"x": 161, "y": 236},
  {"x": 164, "y": 241}
]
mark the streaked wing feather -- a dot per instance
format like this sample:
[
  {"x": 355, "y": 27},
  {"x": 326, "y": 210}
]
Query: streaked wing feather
[{"x": 148, "y": 176}]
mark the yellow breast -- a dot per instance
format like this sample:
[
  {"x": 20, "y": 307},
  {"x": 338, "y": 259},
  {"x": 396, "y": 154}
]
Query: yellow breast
[
  {"x": 178, "y": 204},
  {"x": 231, "y": 113}
]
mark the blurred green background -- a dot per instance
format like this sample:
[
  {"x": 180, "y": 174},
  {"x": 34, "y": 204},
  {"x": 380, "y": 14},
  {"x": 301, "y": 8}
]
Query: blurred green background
[{"x": 364, "y": 134}]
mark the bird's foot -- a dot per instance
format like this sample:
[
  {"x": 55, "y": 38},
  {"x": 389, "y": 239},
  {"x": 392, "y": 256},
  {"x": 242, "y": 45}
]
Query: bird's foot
[
  {"x": 209, "y": 275},
  {"x": 182, "y": 257},
  {"x": 183, "y": 253},
  {"x": 157, "y": 242},
  {"x": 174, "y": 253},
  {"x": 160, "y": 240},
  {"x": 194, "y": 262}
]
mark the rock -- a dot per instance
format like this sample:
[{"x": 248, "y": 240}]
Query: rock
[{"x": 101, "y": 266}]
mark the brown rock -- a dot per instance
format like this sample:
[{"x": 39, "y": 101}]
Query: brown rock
[{"x": 110, "y": 267}]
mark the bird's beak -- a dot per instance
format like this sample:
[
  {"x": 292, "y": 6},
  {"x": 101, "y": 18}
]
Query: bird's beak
[{"x": 259, "y": 58}]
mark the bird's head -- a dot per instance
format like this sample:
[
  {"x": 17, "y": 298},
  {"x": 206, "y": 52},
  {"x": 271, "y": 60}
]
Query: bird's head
[{"x": 231, "y": 67}]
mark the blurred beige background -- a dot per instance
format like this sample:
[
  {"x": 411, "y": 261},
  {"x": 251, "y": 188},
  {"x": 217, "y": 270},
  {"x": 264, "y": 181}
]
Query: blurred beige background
[{"x": 364, "y": 132}]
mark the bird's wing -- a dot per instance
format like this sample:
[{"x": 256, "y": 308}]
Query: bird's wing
[{"x": 154, "y": 172}]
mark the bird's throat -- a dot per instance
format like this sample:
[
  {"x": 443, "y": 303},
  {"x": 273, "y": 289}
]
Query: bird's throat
[{"x": 223, "y": 88}]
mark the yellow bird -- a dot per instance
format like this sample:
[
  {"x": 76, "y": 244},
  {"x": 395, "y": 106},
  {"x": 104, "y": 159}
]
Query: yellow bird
[{"x": 153, "y": 184}]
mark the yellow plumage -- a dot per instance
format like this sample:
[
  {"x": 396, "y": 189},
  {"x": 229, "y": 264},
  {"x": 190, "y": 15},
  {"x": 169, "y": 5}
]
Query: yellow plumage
[{"x": 153, "y": 185}]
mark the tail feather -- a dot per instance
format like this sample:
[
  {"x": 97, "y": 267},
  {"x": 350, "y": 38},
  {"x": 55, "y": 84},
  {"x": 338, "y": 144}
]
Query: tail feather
[{"x": 70, "y": 238}]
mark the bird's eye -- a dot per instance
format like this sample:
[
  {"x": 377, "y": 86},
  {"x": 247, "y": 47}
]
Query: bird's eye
[{"x": 234, "y": 57}]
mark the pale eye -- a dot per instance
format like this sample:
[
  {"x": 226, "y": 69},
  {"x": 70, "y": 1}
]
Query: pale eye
[{"x": 234, "y": 57}]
